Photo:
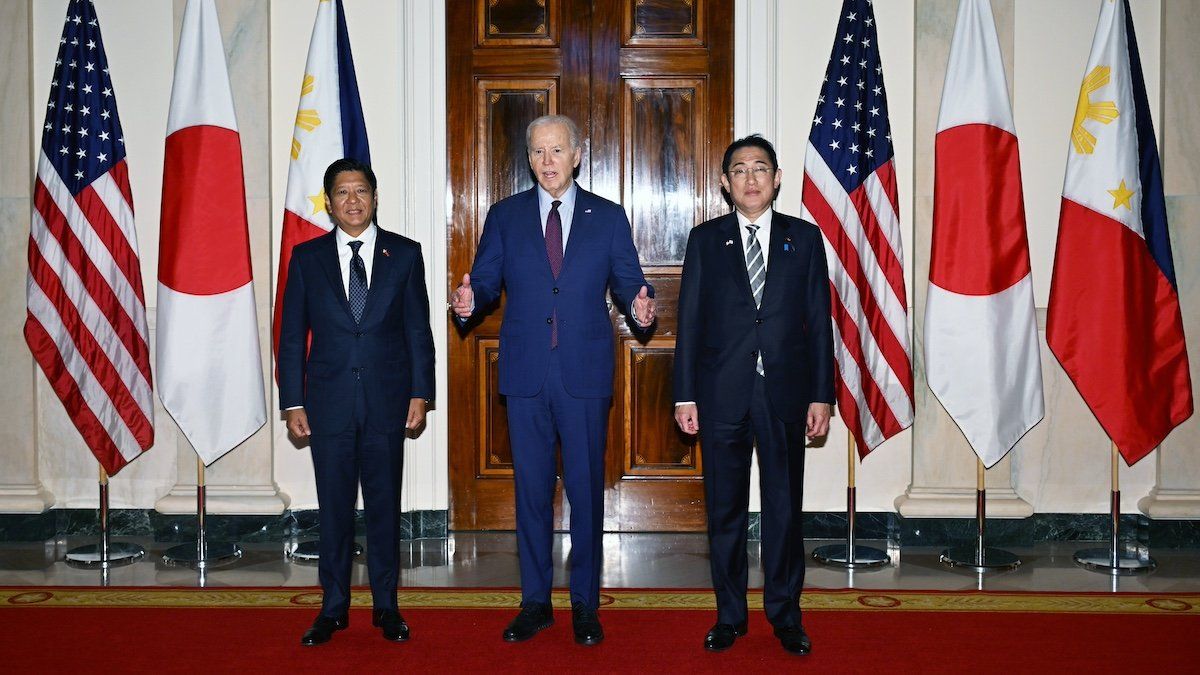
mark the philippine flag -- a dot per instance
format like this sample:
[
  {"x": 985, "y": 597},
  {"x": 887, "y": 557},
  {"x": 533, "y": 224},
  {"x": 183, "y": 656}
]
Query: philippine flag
[
  {"x": 981, "y": 343},
  {"x": 210, "y": 371},
  {"x": 329, "y": 126},
  {"x": 1113, "y": 321}
]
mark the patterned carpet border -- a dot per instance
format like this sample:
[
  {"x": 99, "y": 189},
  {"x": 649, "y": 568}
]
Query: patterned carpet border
[{"x": 1184, "y": 604}]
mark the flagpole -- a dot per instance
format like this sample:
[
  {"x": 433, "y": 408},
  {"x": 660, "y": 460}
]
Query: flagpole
[
  {"x": 106, "y": 554},
  {"x": 202, "y": 554},
  {"x": 981, "y": 557},
  {"x": 1112, "y": 560},
  {"x": 850, "y": 555}
]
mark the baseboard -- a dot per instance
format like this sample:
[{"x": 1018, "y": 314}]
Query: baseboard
[{"x": 879, "y": 526}]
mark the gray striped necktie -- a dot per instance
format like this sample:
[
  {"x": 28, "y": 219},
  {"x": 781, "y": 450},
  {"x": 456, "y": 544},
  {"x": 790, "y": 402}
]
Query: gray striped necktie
[{"x": 756, "y": 270}]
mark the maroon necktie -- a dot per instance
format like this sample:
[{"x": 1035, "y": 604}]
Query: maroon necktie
[{"x": 554, "y": 251}]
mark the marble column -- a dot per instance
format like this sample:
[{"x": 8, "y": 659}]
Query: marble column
[
  {"x": 21, "y": 489},
  {"x": 1176, "y": 492},
  {"x": 943, "y": 463},
  {"x": 243, "y": 480}
]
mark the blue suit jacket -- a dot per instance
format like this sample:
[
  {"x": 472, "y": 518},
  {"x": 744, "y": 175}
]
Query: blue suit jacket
[
  {"x": 721, "y": 332},
  {"x": 391, "y": 350},
  {"x": 599, "y": 255}
]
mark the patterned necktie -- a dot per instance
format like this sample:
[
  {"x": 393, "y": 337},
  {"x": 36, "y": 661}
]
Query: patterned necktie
[
  {"x": 358, "y": 282},
  {"x": 756, "y": 270},
  {"x": 554, "y": 251}
]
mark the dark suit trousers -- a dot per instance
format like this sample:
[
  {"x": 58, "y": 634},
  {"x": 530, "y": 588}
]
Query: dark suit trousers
[
  {"x": 727, "y": 453},
  {"x": 534, "y": 423},
  {"x": 340, "y": 462}
]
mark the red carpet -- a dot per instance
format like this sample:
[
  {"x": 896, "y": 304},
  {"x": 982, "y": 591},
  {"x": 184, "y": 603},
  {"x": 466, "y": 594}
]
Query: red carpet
[{"x": 1151, "y": 635}]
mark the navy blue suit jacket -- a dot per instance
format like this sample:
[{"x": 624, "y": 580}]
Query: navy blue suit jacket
[
  {"x": 721, "y": 331},
  {"x": 391, "y": 350},
  {"x": 600, "y": 255}
]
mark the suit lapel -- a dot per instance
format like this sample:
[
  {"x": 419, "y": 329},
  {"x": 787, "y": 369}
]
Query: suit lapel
[
  {"x": 581, "y": 228},
  {"x": 735, "y": 254},
  {"x": 382, "y": 268},
  {"x": 778, "y": 257},
  {"x": 328, "y": 257}
]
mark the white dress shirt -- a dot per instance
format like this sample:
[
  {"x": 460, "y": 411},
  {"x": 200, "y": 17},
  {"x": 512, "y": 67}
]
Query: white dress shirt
[{"x": 366, "y": 252}]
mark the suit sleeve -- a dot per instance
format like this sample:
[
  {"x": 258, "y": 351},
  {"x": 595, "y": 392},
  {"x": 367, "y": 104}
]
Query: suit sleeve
[
  {"x": 293, "y": 338},
  {"x": 688, "y": 329},
  {"x": 625, "y": 276},
  {"x": 416, "y": 325},
  {"x": 487, "y": 272},
  {"x": 819, "y": 323}
]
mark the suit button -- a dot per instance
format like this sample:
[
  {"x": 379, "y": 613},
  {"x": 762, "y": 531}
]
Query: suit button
[
  {"x": 758, "y": 321},
  {"x": 556, "y": 291},
  {"x": 549, "y": 320},
  {"x": 358, "y": 333}
]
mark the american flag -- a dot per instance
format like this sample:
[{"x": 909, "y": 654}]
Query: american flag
[
  {"x": 86, "y": 324},
  {"x": 850, "y": 193}
]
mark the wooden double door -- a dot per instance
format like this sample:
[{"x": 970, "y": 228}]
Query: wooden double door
[{"x": 650, "y": 83}]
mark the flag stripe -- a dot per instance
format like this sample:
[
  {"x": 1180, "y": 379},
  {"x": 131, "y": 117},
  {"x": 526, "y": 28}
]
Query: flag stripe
[
  {"x": 68, "y": 259},
  {"x": 96, "y": 215},
  {"x": 874, "y": 211},
  {"x": 94, "y": 433},
  {"x": 851, "y": 278},
  {"x": 59, "y": 282},
  {"x": 113, "y": 370},
  {"x": 861, "y": 384},
  {"x": 59, "y": 349},
  {"x": 98, "y": 250}
]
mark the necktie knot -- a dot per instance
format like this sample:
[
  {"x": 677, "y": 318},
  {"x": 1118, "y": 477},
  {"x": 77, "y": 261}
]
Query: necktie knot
[
  {"x": 753, "y": 228},
  {"x": 354, "y": 246},
  {"x": 554, "y": 205}
]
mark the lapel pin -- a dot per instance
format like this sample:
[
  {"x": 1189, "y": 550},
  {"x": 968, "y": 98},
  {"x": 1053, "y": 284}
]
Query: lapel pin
[
  {"x": 729, "y": 242},
  {"x": 587, "y": 210},
  {"x": 385, "y": 253}
]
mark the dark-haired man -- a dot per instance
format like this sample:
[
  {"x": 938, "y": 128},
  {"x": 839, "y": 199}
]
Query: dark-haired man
[
  {"x": 754, "y": 368},
  {"x": 359, "y": 291}
]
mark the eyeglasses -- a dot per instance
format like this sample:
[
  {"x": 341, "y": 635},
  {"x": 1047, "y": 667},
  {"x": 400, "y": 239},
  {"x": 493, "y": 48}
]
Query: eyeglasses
[{"x": 760, "y": 172}]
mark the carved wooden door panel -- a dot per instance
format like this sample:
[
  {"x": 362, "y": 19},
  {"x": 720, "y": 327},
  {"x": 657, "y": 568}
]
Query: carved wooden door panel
[{"x": 651, "y": 84}]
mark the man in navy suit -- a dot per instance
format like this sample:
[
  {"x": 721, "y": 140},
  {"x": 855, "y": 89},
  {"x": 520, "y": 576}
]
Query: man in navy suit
[
  {"x": 366, "y": 380},
  {"x": 556, "y": 249},
  {"x": 754, "y": 363}
]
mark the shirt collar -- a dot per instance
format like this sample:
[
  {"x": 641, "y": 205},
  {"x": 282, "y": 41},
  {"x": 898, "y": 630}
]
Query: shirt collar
[
  {"x": 546, "y": 202},
  {"x": 367, "y": 237},
  {"x": 764, "y": 220}
]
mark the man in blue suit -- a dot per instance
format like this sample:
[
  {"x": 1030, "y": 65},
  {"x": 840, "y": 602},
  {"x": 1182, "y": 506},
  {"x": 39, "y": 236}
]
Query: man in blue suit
[
  {"x": 556, "y": 249},
  {"x": 754, "y": 363},
  {"x": 365, "y": 381}
]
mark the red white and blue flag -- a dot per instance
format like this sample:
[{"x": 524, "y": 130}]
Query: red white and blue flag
[
  {"x": 1114, "y": 321},
  {"x": 86, "y": 322},
  {"x": 208, "y": 360},
  {"x": 982, "y": 359},
  {"x": 329, "y": 126},
  {"x": 850, "y": 193}
]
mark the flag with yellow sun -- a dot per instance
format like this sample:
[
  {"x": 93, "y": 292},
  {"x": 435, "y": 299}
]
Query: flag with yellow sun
[
  {"x": 329, "y": 126},
  {"x": 1113, "y": 319}
]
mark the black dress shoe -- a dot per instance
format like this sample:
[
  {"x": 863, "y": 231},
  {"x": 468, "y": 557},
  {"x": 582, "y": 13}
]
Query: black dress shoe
[
  {"x": 586, "y": 623},
  {"x": 794, "y": 639},
  {"x": 534, "y": 617},
  {"x": 393, "y": 625},
  {"x": 323, "y": 629},
  {"x": 722, "y": 636}
]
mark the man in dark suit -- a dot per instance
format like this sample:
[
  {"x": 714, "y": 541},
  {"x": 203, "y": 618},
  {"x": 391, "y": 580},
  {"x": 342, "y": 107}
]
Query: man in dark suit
[
  {"x": 366, "y": 380},
  {"x": 555, "y": 249},
  {"x": 754, "y": 367}
]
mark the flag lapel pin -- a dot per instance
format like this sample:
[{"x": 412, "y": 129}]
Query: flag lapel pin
[
  {"x": 385, "y": 253},
  {"x": 729, "y": 242}
]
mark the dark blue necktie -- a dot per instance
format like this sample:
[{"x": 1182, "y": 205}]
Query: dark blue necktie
[{"x": 358, "y": 282}]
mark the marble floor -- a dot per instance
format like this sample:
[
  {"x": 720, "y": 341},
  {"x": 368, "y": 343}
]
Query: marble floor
[{"x": 472, "y": 560}]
